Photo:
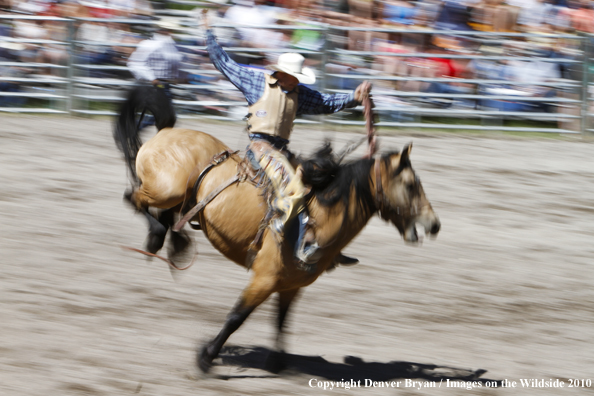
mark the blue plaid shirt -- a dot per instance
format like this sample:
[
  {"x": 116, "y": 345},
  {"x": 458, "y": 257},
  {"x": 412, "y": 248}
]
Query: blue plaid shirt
[{"x": 252, "y": 83}]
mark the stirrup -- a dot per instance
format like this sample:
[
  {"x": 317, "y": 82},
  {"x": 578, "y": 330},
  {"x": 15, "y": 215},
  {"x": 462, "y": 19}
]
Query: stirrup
[
  {"x": 309, "y": 268},
  {"x": 310, "y": 254},
  {"x": 307, "y": 257}
]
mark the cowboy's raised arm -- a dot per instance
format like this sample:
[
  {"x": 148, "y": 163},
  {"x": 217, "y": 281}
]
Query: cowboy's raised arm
[
  {"x": 314, "y": 102},
  {"x": 249, "y": 82}
]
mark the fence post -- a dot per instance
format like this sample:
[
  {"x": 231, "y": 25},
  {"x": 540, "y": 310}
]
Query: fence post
[
  {"x": 586, "y": 84},
  {"x": 70, "y": 71},
  {"x": 324, "y": 60}
]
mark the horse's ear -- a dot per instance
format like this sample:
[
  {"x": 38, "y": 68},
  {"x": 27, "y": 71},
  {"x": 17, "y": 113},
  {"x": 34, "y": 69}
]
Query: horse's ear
[{"x": 406, "y": 152}]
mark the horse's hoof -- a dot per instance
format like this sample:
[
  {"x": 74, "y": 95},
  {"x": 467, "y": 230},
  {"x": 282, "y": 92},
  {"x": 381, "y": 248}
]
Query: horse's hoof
[
  {"x": 179, "y": 247},
  {"x": 155, "y": 241},
  {"x": 204, "y": 360},
  {"x": 128, "y": 198},
  {"x": 180, "y": 242}
]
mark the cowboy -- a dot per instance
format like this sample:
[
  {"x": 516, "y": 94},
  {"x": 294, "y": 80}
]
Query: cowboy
[
  {"x": 157, "y": 61},
  {"x": 274, "y": 102}
]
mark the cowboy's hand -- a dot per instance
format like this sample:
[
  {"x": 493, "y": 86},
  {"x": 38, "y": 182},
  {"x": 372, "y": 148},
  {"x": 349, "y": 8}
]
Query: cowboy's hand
[
  {"x": 362, "y": 91},
  {"x": 205, "y": 19}
]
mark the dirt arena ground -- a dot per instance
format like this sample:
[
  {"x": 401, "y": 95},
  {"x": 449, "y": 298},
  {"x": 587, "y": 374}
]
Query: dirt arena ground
[{"x": 507, "y": 286}]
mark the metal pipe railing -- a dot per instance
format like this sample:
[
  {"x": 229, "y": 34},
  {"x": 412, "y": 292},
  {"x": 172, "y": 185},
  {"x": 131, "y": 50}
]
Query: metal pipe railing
[{"x": 77, "y": 102}]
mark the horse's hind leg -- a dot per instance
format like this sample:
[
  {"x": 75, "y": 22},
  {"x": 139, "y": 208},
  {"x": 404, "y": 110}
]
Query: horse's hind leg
[
  {"x": 276, "y": 361},
  {"x": 179, "y": 241},
  {"x": 255, "y": 294},
  {"x": 157, "y": 227}
]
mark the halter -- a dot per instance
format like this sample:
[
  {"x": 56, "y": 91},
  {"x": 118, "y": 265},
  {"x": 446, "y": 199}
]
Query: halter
[{"x": 380, "y": 199}]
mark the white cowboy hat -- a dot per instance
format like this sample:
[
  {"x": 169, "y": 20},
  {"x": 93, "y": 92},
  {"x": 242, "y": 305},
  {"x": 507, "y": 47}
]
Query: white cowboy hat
[{"x": 292, "y": 63}]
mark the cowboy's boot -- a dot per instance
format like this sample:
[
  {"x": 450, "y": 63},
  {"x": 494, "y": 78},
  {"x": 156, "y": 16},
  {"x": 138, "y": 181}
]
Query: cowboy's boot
[{"x": 345, "y": 260}]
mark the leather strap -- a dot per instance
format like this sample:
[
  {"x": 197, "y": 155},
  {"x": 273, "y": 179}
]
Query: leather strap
[
  {"x": 380, "y": 200},
  {"x": 202, "y": 204}
]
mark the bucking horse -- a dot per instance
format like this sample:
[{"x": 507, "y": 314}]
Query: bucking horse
[{"x": 179, "y": 166}]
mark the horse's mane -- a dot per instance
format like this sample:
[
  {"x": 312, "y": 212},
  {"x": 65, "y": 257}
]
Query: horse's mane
[{"x": 332, "y": 181}]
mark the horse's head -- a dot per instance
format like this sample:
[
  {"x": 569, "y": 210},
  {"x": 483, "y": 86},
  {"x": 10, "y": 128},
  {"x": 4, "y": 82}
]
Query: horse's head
[{"x": 400, "y": 197}]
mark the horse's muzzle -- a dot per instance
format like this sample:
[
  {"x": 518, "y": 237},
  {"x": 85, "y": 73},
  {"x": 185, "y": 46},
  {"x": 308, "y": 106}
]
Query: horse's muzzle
[
  {"x": 430, "y": 223},
  {"x": 435, "y": 227}
]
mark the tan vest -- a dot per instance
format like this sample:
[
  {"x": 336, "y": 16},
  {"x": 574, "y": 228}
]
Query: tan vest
[{"x": 275, "y": 112}]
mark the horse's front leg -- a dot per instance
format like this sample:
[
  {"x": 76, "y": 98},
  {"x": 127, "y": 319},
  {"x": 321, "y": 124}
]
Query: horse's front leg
[
  {"x": 255, "y": 294},
  {"x": 276, "y": 361}
]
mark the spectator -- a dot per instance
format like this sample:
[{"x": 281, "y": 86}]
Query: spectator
[
  {"x": 34, "y": 7},
  {"x": 398, "y": 12},
  {"x": 30, "y": 30},
  {"x": 5, "y": 6},
  {"x": 121, "y": 8},
  {"x": 9, "y": 51},
  {"x": 95, "y": 37},
  {"x": 582, "y": 18},
  {"x": 248, "y": 12},
  {"x": 454, "y": 15},
  {"x": 130, "y": 8},
  {"x": 157, "y": 61},
  {"x": 122, "y": 35},
  {"x": 536, "y": 17},
  {"x": 143, "y": 10},
  {"x": 450, "y": 68},
  {"x": 56, "y": 54},
  {"x": 494, "y": 16},
  {"x": 364, "y": 14}
]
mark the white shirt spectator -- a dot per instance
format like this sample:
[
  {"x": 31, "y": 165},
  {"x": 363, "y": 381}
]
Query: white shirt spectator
[
  {"x": 523, "y": 3},
  {"x": 93, "y": 32},
  {"x": 32, "y": 6},
  {"x": 535, "y": 16},
  {"x": 254, "y": 16},
  {"x": 123, "y": 5},
  {"x": 156, "y": 59}
]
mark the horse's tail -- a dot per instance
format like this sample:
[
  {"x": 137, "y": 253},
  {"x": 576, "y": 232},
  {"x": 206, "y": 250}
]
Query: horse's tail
[{"x": 141, "y": 99}]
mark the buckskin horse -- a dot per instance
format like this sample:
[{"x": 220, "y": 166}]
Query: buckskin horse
[{"x": 343, "y": 199}]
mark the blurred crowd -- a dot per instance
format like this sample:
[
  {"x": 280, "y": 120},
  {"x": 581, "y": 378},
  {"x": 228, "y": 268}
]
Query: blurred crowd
[
  {"x": 394, "y": 54},
  {"x": 95, "y": 34}
]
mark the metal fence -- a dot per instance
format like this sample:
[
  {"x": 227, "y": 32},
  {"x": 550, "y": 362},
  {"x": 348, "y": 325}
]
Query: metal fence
[{"x": 82, "y": 88}]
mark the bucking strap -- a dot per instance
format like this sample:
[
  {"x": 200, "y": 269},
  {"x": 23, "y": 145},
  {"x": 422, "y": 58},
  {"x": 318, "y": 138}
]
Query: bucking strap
[
  {"x": 216, "y": 160},
  {"x": 202, "y": 204}
]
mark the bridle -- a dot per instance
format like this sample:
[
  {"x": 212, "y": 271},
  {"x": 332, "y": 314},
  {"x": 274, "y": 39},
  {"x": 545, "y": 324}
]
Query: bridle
[
  {"x": 381, "y": 203},
  {"x": 380, "y": 198}
]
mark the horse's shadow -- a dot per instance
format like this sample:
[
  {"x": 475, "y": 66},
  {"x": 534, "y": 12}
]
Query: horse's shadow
[{"x": 353, "y": 368}]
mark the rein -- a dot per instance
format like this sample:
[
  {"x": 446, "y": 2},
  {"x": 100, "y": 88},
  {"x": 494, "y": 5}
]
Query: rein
[
  {"x": 380, "y": 199},
  {"x": 171, "y": 263},
  {"x": 369, "y": 118}
]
